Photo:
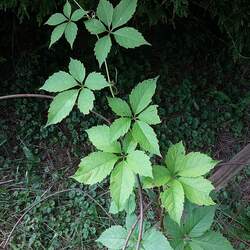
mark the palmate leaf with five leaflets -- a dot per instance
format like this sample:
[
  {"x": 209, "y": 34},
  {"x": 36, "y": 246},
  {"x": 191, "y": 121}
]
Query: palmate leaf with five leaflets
[
  {"x": 65, "y": 24},
  {"x": 179, "y": 179},
  {"x": 113, "y": 18},
  {"x": 61, "y": 81},
  {"x": 144, "y": 115}
]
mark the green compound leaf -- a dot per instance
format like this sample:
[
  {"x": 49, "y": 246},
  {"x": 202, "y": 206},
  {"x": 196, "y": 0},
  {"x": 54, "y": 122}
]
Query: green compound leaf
[
  {"x": 101, "y": 139},
  {"x": 123, "y": 12},
  {"x": 199, "y": 221},
  {"x": 122, "y": 182},
  {"x": 58, "y": 82},
  {"x": 195, "y": 164},
  {"x": 210, "y": 241},
  {"x": 114, "y": 237},
  {"x": 161, "y": 176},
  {"x": 139, "y": 163},
  {"x": 86, "y": 101},
  {"x": 96, "y": 81},
  {"x": 129, "y": 206},
  {"x": 57, "y": 33},
  {"x": 197, "y": 190},
  {"x": 146, "y": 137},
  {"x": 129, "y": 38},
  {"x": 174, "y": 154},
  {"x": 119, "y": 128},
  {"x": 105, "y": 12},
  {"x": 95, "y": 167},
  {"x": 56, "y": 19},
  {"x": 142, "y": 94},
  {"x": 94, "y": 26},
  {"x": 61, "y": 106},
  {"x": 154, "y": 239},
  {"x": 129, "y": 144},
  {"x": 173, "y": 200},
  {"x": 102, "y": 49},
  {"x": 67, "y": 9},
  {"x": 70, "y": 33},
  {"x": 119, "y": 106},
  {"x": 77, "y": 70},
  {"x": 78, "y": 14},
  {"x": 150, "y": 115}
]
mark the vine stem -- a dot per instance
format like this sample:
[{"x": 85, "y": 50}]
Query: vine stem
[
  {"x": 6, "y": 97},
  {"x": 105, "y": 61},
  {"x": 141, "y": 213}
]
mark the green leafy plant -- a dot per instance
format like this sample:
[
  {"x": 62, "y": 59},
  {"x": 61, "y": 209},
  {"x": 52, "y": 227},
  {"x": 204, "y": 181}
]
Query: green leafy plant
[{"x": 126, "y": 145}]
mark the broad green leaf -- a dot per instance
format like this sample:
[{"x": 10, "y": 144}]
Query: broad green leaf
[
  {"x": 174, "y": 155},
  {"x": 150, "y": 115},
  {"x": 139, "y": 163},
  {"x": 105, "y": 11},
  {"x": 129, "y": 206},
  {"x": 123, "y": 12},
  {"x": 173, "y": 229},
  {"x": 58, "y": 82},
  {"x": 122, "y": 182},
  {"x": 95, "y": 167},
  {"x": 77, "y": 70},
  {"x": 78, "y": 14},
  {"x": 173, "y": 200},
  {"x": 96, "y": 81},
  {"x": 114, "y": 237},
  {"x": 142, "y": 94},
  {"x": 86, "y": 101},
  {"x": 210, "y": 241},
  {"x": 154, "y": 239},
  {"x": 129, "y": 38},
  {"x": 119, "y": 127},
  {"x": 146, "y": 137},
  {"x": 196, "y": 164},
  {"x": 94, "y": 26},
  {"x": 102, "y": 49},
  {"x": 56, "y": 19},
  {"x": 119, "y": 106},
  {"x": 67, "y": 9},
  {"x": 197, "y": 190},
  {"x": 70, "y": 33},
  {"x": 161, "y": 176},
  {"x": 129, "y": 144},
  {"x": 61, "y": 106},
  {"x": 101, "y": 139},
  {"x": 199, "y": 221},
  {"x": 57, "y": 33}
]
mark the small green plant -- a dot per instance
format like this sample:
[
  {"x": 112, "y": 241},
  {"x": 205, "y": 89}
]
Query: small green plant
[{"x": 127, "y": 147}]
